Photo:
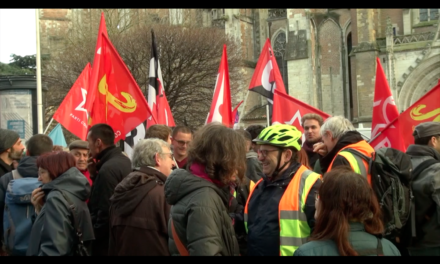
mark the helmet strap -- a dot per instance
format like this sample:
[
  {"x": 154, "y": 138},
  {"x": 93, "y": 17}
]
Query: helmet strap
[{"x": 275, "y": 173}]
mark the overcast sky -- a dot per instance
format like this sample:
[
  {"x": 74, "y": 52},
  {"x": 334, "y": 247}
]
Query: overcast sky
[{"x": 17, "y": 33}]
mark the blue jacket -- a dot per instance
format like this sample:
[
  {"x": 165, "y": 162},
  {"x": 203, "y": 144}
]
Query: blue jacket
[{"x": 359, "y": 239}]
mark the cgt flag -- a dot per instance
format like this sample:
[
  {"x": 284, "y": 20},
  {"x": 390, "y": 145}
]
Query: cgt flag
[
  {"x": 426, "y": 109},
  {"x": 221, "y": 102},
  {"x": 71, "y": 112},
  {"x": 384, "y": 111},
  {"x": 267, "y": 77},
  {"x": 156, "y": 94},
  {"x": 119, "y": 101}
]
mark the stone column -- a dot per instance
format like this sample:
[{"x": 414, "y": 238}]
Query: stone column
[
  {"x": 365, "y": 53},
  {"x": 390, "y": 60}
]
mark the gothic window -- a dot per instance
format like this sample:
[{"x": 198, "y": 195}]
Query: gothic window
[
  {"x": 433, "y": 14},
  {"x": 423, "y": 14},
  {"x": 428, "y": 14},
  {"x": 279, "y": 49}
]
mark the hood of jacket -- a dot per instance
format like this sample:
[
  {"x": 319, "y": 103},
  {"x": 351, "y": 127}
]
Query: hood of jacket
[
  {"x": 71, "y": 181},
  {"x": 27, "y": 167},
  {"x": 181, "y": 182},
  {"x": 422, "y": 150},
  {"x": 251, "y": 154},
  {"x": 130, "y": 192}
]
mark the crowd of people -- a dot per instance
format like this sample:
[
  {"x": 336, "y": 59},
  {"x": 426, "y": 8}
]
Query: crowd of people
[{"x": 217, "y": 191}]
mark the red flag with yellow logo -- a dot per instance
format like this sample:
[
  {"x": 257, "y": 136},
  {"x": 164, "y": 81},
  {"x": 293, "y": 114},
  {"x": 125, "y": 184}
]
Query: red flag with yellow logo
[
  {"x": 426, "y": 109},
  {"x": 119, "y": 101},
  {"x": 96, "y": 66}
]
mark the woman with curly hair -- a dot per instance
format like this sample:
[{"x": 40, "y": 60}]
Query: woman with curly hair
[
  {"x": 348, "y": 219},
  {"x": 200, "y": 195}
]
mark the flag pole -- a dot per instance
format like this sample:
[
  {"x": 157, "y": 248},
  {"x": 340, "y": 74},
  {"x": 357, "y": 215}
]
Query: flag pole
[
  {"x": 50, "y": 123},
  {"x": 244, "y": 108},
  {"x": 267, "y": 114},
  {"x": 38, "y": 66}
]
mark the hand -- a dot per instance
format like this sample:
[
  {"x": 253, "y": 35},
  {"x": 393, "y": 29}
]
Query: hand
[
  {"x": 37, "y": 199},
  {"x": 91, "y": 166},
  {"x": 320, "y": 148}
]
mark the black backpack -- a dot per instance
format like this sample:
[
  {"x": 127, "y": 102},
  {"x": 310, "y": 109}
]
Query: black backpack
[{"x": 390, "y": 171}]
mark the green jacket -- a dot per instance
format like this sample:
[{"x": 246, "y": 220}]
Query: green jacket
[
  {"x": 359, "y": 239},
  {"x": 201, "y": 218}
]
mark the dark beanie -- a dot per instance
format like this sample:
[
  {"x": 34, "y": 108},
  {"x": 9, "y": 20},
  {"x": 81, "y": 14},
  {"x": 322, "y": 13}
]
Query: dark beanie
[{"x": 7, "y": 139}]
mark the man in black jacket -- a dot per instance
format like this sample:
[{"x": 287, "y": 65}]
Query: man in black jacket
[
  {"x": 36, "y": 146},
  {"x": 425, "y": 152},
  {"x": 107, "y": 167}
]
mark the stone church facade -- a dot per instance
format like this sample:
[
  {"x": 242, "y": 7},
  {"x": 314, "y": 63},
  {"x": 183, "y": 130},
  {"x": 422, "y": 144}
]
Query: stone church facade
[{"x": 327, "y": 56}]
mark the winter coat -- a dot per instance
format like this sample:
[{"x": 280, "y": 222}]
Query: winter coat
[
  {"x": 139, "y": 215},
  {"x": 112, "y": 167},
  {"x": 426, "y": 191},
  {"x": 53, "y": 232},
  {"x": 361, "y": 241},
  {"x": 27, "y": 167},
  {"x": 200, "y": 214},
  {"x": 4, "y": 168},
  {"x": 263, "y": 215}
]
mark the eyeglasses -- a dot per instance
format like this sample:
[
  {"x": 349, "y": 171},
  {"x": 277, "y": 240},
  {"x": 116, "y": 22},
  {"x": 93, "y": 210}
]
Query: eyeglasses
[
  {"x": 264, "y": 152},
  {"x": 316, "y": 196},
  {"x": 182, "y": 142},
  {"x": 169, "y": 153}
]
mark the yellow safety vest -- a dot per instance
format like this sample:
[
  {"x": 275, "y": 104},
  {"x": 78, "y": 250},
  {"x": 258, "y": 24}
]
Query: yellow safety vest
[
  {"x": 294, "y": 229},
  {"x": 358, "y": 164}
]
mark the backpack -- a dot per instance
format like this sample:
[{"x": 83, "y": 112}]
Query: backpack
[
  {"x": 413, "y": 231},
  {"x": 18, "y": 213},
  {"x": 390, "y": 171}
]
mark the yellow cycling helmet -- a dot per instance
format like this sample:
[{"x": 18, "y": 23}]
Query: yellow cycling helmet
[{"x": 280, "y": 135}]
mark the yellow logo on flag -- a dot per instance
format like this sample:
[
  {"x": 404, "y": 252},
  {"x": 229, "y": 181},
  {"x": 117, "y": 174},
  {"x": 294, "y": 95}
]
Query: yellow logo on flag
[
  {"x": 126, "y": 107},
  {"x": 416, "y": 115}
]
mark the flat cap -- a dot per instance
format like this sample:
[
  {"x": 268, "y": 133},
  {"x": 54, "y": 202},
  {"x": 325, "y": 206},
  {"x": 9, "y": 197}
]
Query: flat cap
[
  {"x": 79, "y": 144},
  {"x": 427, "y": 129}
]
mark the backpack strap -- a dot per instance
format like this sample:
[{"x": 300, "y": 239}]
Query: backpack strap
[
  {"x": 180, "y": 247},
  {"x": 422, "y": 166},
  {"x": 368, "y": 252},
  {"x": 75, "y": 220},
  {"x": 362, "y": 156},
  {"x": 16, "y": 175},
  {"x": 414, "y": 175}
]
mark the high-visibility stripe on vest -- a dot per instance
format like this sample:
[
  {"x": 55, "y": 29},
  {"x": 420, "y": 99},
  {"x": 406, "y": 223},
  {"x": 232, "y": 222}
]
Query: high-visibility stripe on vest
[
  {"x": 358, "y": 164},
  {"x": 235, "y": 194},
  {"x": 294, "y": 229}
]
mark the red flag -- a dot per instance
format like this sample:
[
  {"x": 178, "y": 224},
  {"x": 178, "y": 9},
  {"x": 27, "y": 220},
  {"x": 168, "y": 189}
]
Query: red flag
[
  {"x": 96, "y": 66},
  {"x": 221, "y": 102},
  {"x": 267, "y": 77},
  {"x": 156, "y": 94},
  {"x": 288, "y": 110},
  {"x": 119, "y": 101},
  {"x": 71, "y": 112},
  {"x": 384, "y": 111},
  {"x": 426, "y": 109}
]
